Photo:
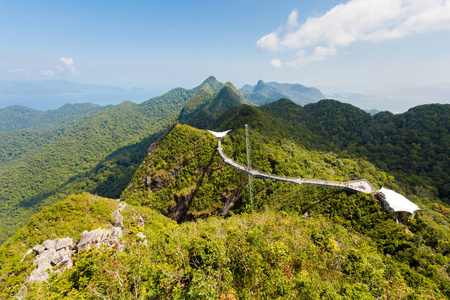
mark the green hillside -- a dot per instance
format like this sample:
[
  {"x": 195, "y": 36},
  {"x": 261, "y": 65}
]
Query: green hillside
[
  {"x": 40, "y": 168},
  {"x": 300, "y": 242},
  {"x": 414, "y": 146},
  {"x": 303, "y": 242},
  {"x": 21, "y": 117},
  {"x": 203, "y": 108},
  {"x": 184, "y": 178},
  {"x": 258, "y": 255},
  {"x": 263, "y": 93}
]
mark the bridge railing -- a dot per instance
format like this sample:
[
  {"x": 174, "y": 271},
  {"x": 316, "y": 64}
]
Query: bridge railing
[{"x": 356, "y": 185}]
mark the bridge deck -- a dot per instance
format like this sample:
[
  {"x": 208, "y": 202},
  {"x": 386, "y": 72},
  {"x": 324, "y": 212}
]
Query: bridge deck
[{"x": 360, "y": 185}]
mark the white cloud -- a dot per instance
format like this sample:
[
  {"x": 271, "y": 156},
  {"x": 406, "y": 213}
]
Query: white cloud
[
  {"x": 68, "y": 63},
  {"x": 357, "y": 20},
  {"x": 319, "y": 54},
  {"x": 48, "y": 73},
  {"x": 20, "y": 70},
  {"x": 269, "y": 42},
  {"x": 292, "y": 20},
  {"x": 276, "y": 63}
]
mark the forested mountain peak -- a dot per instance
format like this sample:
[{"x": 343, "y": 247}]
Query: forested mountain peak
[
  {"x": 212, "y": 82},
  {"x": 259, "y": 86},
  {"x": 229, "y": 90},
  {"x": 203, "y": 108},
  {"x": 349, "y": 245},
  {"x": 263, "y": 93},
  {"x": 18, "y": 108},
  {"x": 21, "y": 117}
]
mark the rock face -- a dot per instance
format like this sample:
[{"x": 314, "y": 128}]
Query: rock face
[
  {"x": 58, "y": 252},
  {"x": 118, "y": 219},
  {"x": 142, "y": 237},
  {"x": 98, "y": 237},
  {"x": 139, "y": 220}
]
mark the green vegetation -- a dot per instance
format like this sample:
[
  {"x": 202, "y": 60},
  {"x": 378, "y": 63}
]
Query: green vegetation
[
  {"x": 68, "y": 218},
  {"x": 184, "y": 177},
  {"x": 412, "y": 146},
  {"x": 263, "y": 93},
  {"x": 258, "y": 255},
  {"x": 169, "y": 178},
  {"x": 301, "y": 242},
  {"x": 98, "y": 154},
  {"x": 203, "y": 108},
  {"x": 20, "y": 117}
]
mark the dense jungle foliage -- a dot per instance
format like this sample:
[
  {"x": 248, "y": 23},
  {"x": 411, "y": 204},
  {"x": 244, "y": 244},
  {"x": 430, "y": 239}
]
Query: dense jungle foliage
[
  {"x": 203, "y": 108},
  {"x": 259, "y": 255},
  {"x": 98, "y": 154},
  {"x": 423, "y": 244},
  {"x": 184, "y": 177},
  {"x": 300, "y": 242},
  {"x": 414, "y": 146},
  {"x": 20, "y": 117}
]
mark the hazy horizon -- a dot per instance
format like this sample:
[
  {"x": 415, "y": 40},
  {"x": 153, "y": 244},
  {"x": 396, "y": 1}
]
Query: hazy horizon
[{"x": 384, "y": 49}]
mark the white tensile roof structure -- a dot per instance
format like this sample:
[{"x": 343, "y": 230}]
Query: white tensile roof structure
[
  {"x": 398, "y": 202},
  {"x": 220, "y": 134}
]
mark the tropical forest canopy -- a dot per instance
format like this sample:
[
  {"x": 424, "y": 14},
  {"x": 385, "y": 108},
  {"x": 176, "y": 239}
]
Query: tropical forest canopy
[{"x": 300, "y": 242}]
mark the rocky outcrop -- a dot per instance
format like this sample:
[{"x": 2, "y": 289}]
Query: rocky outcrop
[
  {"x": 142, "y": 237},
  {"x": 117, "y": 217},
  {"x": 139, "y": 220},
  {"x": 98, "y": 237},
  {"x": 58, "y": 252}
]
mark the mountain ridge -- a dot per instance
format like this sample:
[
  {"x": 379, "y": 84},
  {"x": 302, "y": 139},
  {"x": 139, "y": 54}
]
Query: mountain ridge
[
  {"x": 301, "y": 242},
  {"x": 18, "y": 117},
  {"x": 263, "y": 93}
]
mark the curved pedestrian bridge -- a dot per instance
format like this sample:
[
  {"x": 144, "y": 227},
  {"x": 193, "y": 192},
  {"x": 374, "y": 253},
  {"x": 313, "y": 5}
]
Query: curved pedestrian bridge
[
  {"x": 392, "y": 201},
  {"x": 360, "y": 185}
]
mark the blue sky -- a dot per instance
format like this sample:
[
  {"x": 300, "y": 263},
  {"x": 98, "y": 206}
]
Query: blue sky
[{"x": 385, "y": 48}]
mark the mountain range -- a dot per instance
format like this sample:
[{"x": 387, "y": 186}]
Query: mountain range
[
  {"x": 263, "y": 93},
  {"x": 300, "y": 242}
]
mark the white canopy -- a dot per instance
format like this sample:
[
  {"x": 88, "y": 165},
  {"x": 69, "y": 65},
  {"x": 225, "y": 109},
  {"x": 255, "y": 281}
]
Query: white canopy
[
  {"x": 399, "y": 202},
  {"x": 219, "y": 134}
]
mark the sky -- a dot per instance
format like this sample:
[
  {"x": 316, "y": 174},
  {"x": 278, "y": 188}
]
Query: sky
[{"x": 384, "y": 54}]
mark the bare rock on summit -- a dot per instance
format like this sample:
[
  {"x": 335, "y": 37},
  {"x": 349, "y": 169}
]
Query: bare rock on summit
[
  {"x": 38, "y": 249},
  {"x": 118, "y": 219},
  {"x": 49, "y": 244},
  {"x": 97, "y": 237},
  {"x": 58, "y": 252},
  {"x": 66, "y": 243},
  {"x": 139, "y": 220}
]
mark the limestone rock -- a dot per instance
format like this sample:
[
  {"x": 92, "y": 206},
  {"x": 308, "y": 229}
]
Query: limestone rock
[
  {"x": 97, "y": 237},
  {"x": 49, "y": 244},
  {"x": 142, "y": 237},
  {"x": 45, "y": 258},
  {"x": 66, "y": 243},
  {"x": 121, "y": 206},
  {"x": 38, "y": 275},
  {"x": 147, "y": 180},
  {"x": 66, "y": 263},
  {"x": 58, "y": 252},
  {"x": 38, "y": 249},
  {"x": 118, "y": 219},
  {"x": 139, "y": 220}
]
